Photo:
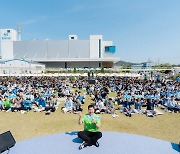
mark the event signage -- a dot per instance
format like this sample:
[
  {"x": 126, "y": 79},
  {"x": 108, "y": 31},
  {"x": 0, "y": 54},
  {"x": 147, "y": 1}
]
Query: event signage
[{"x": 5, "y": 36}]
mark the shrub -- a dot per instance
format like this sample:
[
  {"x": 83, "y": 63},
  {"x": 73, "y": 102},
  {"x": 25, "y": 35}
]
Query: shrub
[
  {"x": 74, "y": 70},
  {"x": 102, "y": 70}
]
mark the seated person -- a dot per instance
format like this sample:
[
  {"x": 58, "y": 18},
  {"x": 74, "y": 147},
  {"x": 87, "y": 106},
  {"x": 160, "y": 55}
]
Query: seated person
[
  {"x": 99, "y": 107},
  {"x": 172, "y": 105},
  {"x": 17, "y": 104},
  {"x": 39, "y": 103},
  {"x": 137, "y": 106},
  {"x": 90, "y": 134},
  {"x": 89, "y": 90},
  {"x": 143, "y": 102},
  {"x": 150, "y": 112},
  {"x": 80, "y": 97},
  {"x": 66, "y": 91},
  {"x": 6, "y": 104},
  {"x": 98, "y": 98},
  {"x": 42, "y": 102},
  {"x": 103, "y": 94},
  {"x": 75, "y": 96},
  {"x": 119, "y": 98},
  {"x": 68, "y": 105},
  {"x": 77, "y": 106},
  {"x": 163, "y": 102},
  {"x": 106, "y": 100},
  {"x": 51, "y": 105},
  {"x": 36, "y": 99},
  {"x": 11, "y": 95},
  {"x": 110, "y": 108},
  {"x": 127, "y": 110},
  {"x": 27, "y": 104}
]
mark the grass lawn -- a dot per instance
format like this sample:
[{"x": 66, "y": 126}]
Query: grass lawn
[{"x": 24, "y": 126}]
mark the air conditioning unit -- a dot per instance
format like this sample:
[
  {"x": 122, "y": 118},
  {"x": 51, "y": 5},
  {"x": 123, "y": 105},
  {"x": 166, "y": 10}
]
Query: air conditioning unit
[{"x": 73, "y": 37}]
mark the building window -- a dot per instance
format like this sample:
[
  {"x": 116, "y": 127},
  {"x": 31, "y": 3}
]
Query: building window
[
  {"x": 111, "y": 49},
  {"x": 99, "y": 48},
  {"x": 106, "y": 48},
  {"x": 8, "y": 31}
]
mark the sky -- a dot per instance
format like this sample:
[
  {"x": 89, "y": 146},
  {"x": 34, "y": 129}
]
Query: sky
[{"x": 141, "y": 30}]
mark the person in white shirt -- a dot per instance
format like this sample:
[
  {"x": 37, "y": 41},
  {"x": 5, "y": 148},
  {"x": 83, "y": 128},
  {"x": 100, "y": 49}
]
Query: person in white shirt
[
  {"x": 68, "y": 105},
  {"x": 172, "y": 105}
]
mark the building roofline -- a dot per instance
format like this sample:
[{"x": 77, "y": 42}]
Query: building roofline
[
  {"x": 76, "y": 59},
  {"x": 18, "y": 59}
]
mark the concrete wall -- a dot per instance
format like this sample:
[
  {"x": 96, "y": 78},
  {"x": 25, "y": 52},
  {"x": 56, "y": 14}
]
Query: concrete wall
[
  {"x": 62, "y": 49},
  {"x": 52, "y": 49},
  {"x": 79, "y": 49},
  {"x": 94, "y": 45},
  {"x": 7, "y": 49}
]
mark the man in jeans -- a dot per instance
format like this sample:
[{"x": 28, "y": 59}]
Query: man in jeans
[{"x": 91, "y": 133}]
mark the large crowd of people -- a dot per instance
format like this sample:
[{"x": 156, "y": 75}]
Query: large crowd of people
[{"x": 108, "y": 95}]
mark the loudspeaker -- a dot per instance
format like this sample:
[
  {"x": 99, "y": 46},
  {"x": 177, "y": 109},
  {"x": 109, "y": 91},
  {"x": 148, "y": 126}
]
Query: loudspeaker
[{"x": 6, "y": 141}]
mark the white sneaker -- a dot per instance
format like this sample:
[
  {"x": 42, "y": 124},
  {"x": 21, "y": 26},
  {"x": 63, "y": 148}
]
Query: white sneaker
[
  {"x": 117, "y": 115},
  {"x": 165, "y": 110},
  {"x": 113, "y": 115},
  {"x": 82, "y": 146},
  {"x": 22, "y": 112},
  {"x": 8, "y": 110}
]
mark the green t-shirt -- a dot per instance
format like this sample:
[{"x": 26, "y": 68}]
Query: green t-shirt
[
  {"x": 6, "y": 103},
  {"x": 88, "y": 123}
]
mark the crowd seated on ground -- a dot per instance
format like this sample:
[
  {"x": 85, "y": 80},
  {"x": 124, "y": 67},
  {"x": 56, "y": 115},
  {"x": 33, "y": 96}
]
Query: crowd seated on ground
[
  {"x": 136, "y": 96},
  {"x": 22, "y": 94},
  {"x": 133, "y": 95}
]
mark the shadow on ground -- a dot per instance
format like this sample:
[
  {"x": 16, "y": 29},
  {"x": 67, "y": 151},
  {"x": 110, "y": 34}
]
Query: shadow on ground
[
  {"x": 75, "y": 140},
  {"x": 175, "y": 147}
]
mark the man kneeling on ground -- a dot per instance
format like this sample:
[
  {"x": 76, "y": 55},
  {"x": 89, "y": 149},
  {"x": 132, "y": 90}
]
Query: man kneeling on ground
[{"x": 91, "y": 133}]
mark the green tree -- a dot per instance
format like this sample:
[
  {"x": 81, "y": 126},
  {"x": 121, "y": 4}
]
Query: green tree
[
  {"x": 166, "y": 65},
  {"x": 102, "y": 70},
  {"x": 75, "y": 70}
]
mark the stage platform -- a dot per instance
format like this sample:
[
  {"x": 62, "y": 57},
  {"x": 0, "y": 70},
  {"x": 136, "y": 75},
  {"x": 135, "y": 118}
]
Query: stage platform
[{"x": 110, "y": 143}]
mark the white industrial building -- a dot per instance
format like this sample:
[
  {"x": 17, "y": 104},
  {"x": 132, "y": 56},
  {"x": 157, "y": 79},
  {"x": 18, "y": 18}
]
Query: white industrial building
[
  {"x": 20, "y": 66},
  {"x": 91, "y": 53}
]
